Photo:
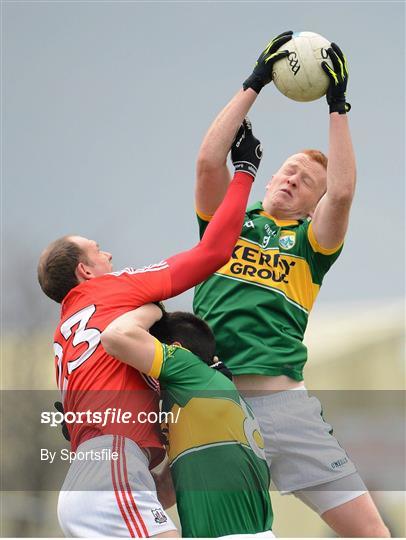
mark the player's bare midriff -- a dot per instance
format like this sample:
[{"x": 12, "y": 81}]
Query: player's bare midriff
[{"x": 256, "y": 385}]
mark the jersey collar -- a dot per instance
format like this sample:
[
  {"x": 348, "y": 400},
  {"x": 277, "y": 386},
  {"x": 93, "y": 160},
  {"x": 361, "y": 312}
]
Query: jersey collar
[{"x": 259, "y": 209}]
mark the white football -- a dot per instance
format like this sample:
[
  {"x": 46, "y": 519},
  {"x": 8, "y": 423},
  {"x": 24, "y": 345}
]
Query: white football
[{"x": 300, "y": 76}]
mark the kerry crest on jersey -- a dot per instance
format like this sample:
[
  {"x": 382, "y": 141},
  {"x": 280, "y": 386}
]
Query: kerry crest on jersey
[{"x": 287, "y": 239}]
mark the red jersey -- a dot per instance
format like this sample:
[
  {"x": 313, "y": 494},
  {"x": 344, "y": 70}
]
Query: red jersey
[
  {"x": 92, "y": 380},
  {"x": 89, "y": 378}
]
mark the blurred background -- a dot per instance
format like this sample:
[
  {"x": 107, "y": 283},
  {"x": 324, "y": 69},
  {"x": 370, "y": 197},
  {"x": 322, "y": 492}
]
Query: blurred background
[{"x": 104, "y": 106}]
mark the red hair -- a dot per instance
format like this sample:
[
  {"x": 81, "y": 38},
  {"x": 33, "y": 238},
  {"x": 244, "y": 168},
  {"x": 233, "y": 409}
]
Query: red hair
[{"x": 317, "y": 156}]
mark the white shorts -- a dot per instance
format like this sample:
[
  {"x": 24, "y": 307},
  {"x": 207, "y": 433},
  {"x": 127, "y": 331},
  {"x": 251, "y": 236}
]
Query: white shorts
[
  {"x": 111, "y": 497},
  {"x": 302, "y": 452}
]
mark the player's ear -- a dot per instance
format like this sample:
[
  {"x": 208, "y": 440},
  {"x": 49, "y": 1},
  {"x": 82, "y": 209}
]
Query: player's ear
[
  {"x": 215, "y": 359},
  {"x": 83, "y": 272},
  {"x": 177, "y": 343}
]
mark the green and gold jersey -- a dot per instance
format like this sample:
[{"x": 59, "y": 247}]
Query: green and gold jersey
[
  {"x": 259, "y": 302},
  {"x": 215, "y": 449}
]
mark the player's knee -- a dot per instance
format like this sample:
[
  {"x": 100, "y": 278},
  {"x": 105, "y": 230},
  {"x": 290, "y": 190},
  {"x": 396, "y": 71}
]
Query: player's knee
[{"x": 382, "y": 531}]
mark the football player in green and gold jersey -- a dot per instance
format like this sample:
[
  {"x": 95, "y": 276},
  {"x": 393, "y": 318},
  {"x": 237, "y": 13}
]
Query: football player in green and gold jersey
[
  {"x": 259, "y": 302},
  {"x": 215, "y": 448}
]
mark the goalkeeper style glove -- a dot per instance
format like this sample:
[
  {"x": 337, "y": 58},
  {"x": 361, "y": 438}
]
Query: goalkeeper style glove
[
  {"x": 246, "y": 150},
  {"x": 65, "y": 432},
  {"x": 262, "y": 73},
  {"x": 222, "y": 368},
  {"x": 338, "y": 75}
]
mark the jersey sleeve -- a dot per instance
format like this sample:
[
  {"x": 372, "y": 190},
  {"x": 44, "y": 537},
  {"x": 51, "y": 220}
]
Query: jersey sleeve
[
  {"x": 321, "y": 259},
  {"x": 140, "y": 286},
  {"x": 173, "y": 364},
  {"x": 165, "y": 366},
  {"x": 198, "y": 263},
  {"x": 158, "y": 360}
]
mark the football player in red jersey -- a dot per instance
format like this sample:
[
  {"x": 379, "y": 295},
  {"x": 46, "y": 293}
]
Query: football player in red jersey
[{"x": 118, "y": 497}]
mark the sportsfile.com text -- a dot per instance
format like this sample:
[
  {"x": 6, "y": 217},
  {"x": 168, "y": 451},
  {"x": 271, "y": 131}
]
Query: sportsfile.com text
[{"x": 108, "y": 416}]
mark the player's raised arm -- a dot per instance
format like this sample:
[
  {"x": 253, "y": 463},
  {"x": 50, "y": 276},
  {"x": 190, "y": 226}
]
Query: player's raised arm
[
  {"x": 191, "y": 267},
  {"x": 330, "y": 219},
  {"x": 127, "y": 338},
  {"x": 213, "y": 175}
]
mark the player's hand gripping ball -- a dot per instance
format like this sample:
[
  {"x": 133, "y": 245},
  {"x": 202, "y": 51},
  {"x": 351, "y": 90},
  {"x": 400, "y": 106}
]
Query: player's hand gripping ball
[
  {"x": 263, "y": 69},
  {"x": 299, "y": 75},
  {"x": 338, "y": 75}
]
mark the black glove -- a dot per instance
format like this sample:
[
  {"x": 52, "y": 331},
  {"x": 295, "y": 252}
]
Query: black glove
[
  {"x": 262, "y": 73},
  {"x": 219, "y": 366},
  {"x": 338, "y": 75},
  {"x": 246, "y": 150},
  {"x": 59, "y": 407}
]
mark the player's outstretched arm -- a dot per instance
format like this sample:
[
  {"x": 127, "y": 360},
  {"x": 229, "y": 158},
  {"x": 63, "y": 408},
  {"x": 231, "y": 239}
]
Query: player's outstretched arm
[
  {"x": 212, "y": 173},
  {"x": 330, "y": 219},
  {"x": 127, "y": 338},
  {"x": 191, "y": 267},
  {"x": 180, "y": 272}
]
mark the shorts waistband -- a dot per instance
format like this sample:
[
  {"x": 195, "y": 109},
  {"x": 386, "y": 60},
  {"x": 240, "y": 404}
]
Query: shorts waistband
[
  {"x": 283, "y": 396},
  {"x": 106, "y": 441}
]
